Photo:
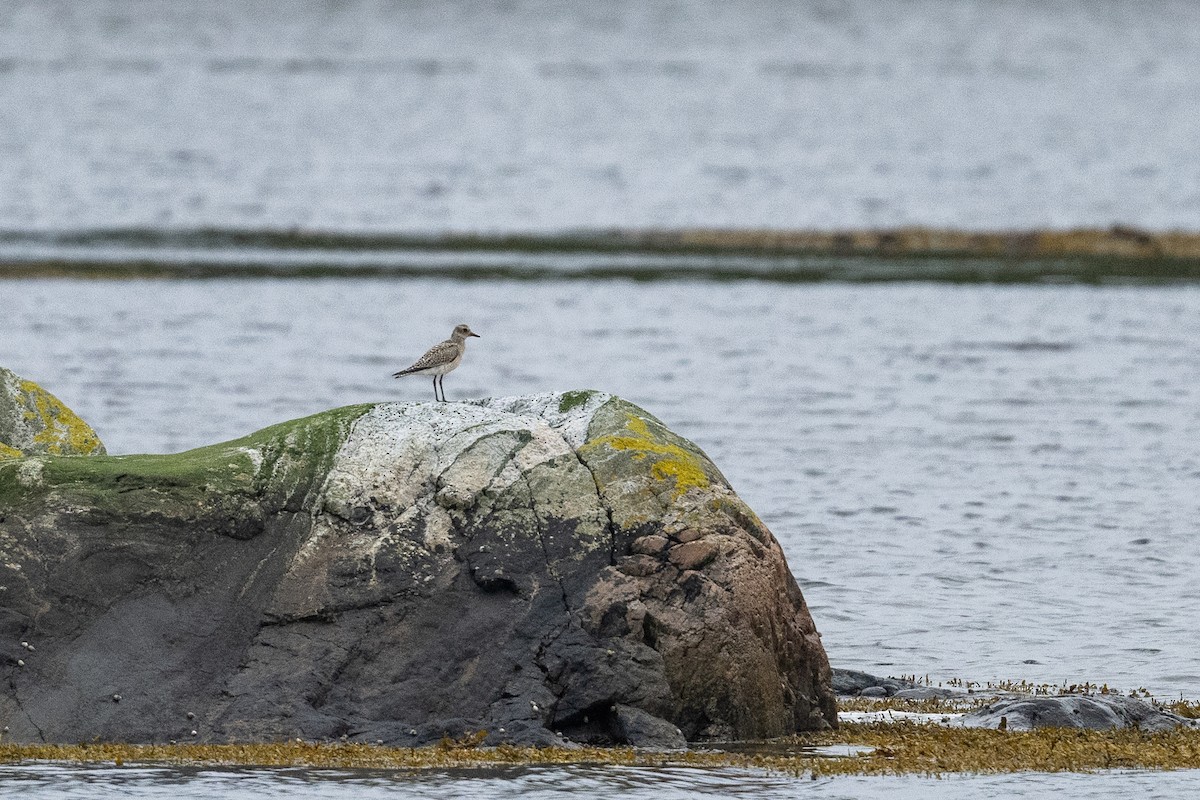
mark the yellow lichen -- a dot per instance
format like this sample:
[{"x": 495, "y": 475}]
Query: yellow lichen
[
  {"x": 63, "y": 432},
  {"x": 9, "y": 452},
  {"x": 673, "y": 462}
]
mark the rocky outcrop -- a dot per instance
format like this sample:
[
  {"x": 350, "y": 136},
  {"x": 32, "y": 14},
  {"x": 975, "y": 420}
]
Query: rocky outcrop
[
  {"x": 1094, "y": 712},
  {"x": 526, "y": 566},
  {"x": 35, "y": 422}
]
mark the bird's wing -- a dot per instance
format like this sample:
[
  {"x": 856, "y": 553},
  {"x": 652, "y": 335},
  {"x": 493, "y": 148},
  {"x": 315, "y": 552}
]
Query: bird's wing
[{"x": 441, "y": 353}]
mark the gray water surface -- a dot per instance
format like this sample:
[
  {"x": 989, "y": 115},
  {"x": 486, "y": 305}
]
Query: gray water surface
[
  {"x": 972, "y": 482},
  {"x": 73, "y": 782},
  {"x": 544, "y": 116}
]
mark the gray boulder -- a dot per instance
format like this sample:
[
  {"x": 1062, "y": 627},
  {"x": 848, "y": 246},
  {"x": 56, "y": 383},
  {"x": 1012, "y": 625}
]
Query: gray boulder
[
  {"x": 528, "y": 567},
  {"x": 853, "y": 683},
  {"x": 1094, "y": 712}
]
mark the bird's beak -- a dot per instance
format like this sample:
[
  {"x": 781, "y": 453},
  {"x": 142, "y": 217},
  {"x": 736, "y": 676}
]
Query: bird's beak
[{"x": 476, "y": 335}]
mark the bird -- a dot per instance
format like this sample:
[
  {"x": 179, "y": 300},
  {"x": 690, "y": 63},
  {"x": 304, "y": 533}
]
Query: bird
[{"x": 441, "y": 358}]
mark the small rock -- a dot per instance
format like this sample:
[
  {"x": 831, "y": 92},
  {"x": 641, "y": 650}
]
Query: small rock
[
  {"x": 687, "y": 535},
  {"x": 638, "y": 566},
  {"x": 850, "y": 682},
  {"x": 639, "y": 728},
  {"x": 693, "y": 555},
  {"x": 116, "y": 698},
  {"x": 649, "y": 545},
  {"x": 873, "y": 691},
  {"x": 37, "y": 423},
  {"x": 190, "y": 715}
]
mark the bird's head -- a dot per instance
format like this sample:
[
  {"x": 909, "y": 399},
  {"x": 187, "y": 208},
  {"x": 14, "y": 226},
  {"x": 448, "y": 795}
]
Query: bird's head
[{"x": 461, "y": 332}]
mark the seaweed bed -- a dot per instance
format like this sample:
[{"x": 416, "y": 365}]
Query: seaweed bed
[
  {"x": 892, "y": 748},
  {"x": 885, "y": 749},
  {"x": 1091, "y": 256}
]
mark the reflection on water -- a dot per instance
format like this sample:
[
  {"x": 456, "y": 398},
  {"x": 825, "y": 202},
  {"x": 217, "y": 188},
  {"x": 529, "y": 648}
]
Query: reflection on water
[
  {"x": 69, "y": 782},
  {"x": 968, "y": 481}
]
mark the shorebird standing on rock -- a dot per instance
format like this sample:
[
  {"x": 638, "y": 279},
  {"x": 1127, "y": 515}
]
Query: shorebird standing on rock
[{"x": 441, "y": 358}]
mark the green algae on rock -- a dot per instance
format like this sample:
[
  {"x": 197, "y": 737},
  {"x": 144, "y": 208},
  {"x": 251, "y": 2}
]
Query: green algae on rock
[
  {"x": 534, "y": 567},
  {"x": 35, "y": 422}
]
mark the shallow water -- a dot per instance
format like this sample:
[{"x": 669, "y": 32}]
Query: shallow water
[
  {"x": 67, "y": 782},
  {"x": 536, "y": 116},
  {"x": 977, "y": 482}
]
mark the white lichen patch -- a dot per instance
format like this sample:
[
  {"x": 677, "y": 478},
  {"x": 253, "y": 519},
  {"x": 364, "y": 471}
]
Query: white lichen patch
[
  {"x": 569, "y": 413},
  {"x": 408, "y": 475},
  {"x": 397, "y": 454}
]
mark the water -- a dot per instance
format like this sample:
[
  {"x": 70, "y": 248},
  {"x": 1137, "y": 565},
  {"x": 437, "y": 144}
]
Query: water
[
  {"x": 973, "y": 482},
  {"x": 68, "y": 782},
  {"x": 542, "y": 116}
]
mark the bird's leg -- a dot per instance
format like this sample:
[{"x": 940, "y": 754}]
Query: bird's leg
[
  {"x": 435, "y": 397},
  {"x": 442, "y": 382}
]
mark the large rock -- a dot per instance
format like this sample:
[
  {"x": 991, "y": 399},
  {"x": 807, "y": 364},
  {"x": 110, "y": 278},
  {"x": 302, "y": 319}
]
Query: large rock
[
  {"x": 400, "y": 572},
  {"x": 35, "y": 422}
]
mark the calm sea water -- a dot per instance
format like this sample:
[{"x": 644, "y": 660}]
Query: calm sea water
[
  {"x": 537, "y": 116},
  {"x": 62, "y": 782}
]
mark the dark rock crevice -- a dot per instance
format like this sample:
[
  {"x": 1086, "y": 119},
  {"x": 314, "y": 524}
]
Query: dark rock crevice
[
  {"x": 601, "y": 500},
  {"x": 16, "y": 696}
]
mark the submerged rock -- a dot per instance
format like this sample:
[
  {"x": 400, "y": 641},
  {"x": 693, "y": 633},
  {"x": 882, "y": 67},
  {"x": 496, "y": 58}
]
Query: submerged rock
[
  {"x": 529, "y": 567},
  {"x": 1095, "y": 712},
  {"x": 35, "y": 422},
  {"x": 854, "y": 683}
]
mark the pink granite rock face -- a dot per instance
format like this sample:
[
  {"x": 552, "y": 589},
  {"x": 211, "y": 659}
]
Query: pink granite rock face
[{"x": 707, "y": 587}]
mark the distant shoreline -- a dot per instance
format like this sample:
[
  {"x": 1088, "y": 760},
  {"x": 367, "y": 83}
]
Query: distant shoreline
[{"x": 1099, "y": 255}]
